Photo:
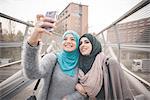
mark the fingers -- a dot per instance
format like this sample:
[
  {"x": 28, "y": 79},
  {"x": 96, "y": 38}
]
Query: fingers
[
  {"x": 40, "y": 31},
  {"x": 45, "y": 22},
  {"x": 39, "y": 17},
  {"x": 64, "y": 98},
  {"x": 47, "y": 25},
  {"x": 43, "y": 18},
  {"x": 49, "y": 19},
  {"x": 42, "y": 24},
  {"x": 80, "y": 89}
]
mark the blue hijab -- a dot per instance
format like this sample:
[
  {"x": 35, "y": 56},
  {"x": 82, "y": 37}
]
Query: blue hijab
[{"x": 68, "y": 60}]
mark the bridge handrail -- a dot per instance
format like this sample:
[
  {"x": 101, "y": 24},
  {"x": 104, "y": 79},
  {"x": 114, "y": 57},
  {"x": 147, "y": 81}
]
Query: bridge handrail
[
  {"x": 139, "y": 47},
  {"x": 20, "y": 21},
  {"x": 136, "y": 8},
  {"x": 9, "y": 64},
  {"x": 128, "y": 71},
  {"x": 139, "y": 6},
  {"x": 15, "y": 19}
]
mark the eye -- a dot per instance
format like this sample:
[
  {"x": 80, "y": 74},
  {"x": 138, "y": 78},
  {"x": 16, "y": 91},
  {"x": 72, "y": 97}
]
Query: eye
[
  {"x": 80, "y": 42},
  {"x": 65, "y": 38},
  {"x": 86, "y": 41},
  {"x": 72, "y": 39}
]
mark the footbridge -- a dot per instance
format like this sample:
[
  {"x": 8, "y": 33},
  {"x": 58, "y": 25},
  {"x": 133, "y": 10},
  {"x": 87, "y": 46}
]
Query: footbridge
[{"x": 127, "y": 40}]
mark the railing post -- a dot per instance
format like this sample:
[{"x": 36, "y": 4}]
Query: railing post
[
  {"x": 118, "y": 41},
  {"x": 26, "y": 32}
]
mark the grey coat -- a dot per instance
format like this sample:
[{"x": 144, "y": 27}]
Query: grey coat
[
  {"x": 116, "y": 86},
  {"x": 55, "y": 84}
]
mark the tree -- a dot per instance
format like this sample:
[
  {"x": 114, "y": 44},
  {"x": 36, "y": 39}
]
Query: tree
[{"x": 19, "y": 36}]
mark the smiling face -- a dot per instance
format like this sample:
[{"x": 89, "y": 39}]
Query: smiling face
[
  {"x": 85, "y": 46},
  {"x": 69, "y": 43}
]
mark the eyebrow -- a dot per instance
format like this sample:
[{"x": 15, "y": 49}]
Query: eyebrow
[
  {"x": 85, "y": 39},
  {"x": 71, "y": 36}
]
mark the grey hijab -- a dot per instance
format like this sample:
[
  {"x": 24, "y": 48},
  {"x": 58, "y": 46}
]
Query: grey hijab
[{"x": 86, "y": 62}]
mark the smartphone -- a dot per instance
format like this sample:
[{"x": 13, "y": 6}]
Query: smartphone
[{"x": 51, "y": 14}]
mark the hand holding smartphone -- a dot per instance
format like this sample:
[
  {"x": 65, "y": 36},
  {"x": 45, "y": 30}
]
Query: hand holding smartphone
[
  {"x": 51, "y": 14},
  {"x": 41, "y": 25}
]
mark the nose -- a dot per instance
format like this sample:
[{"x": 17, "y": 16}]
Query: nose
[
  {"x": 68, "y": 41},
  {"x": 82, "y": 45}
]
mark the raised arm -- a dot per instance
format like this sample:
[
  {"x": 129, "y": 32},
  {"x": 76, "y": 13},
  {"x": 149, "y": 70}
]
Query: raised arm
[{"x": 34, "y": 67}]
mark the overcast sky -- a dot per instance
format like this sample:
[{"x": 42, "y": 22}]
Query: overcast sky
[{"x": 101, "y": 12}]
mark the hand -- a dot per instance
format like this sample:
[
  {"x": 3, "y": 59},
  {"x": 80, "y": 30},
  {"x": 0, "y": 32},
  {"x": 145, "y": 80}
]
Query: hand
[
  {"x": 80, "y": 89},
  {"x": 64, "y": 98},
  {"x": 42, "y": 23}
]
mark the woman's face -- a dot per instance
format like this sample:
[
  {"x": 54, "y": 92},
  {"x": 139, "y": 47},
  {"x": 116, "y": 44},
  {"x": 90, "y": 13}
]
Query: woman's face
[
  {"x": 85, "y": 46},
  {"x": 69, "y": 43}
]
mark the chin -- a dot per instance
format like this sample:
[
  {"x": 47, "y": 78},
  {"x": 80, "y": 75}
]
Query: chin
[
  {"x": 68, "y": 50},
  {"x": 85, "y": 54}
]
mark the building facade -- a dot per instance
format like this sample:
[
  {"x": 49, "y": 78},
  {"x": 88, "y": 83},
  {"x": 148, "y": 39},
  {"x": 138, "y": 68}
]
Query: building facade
[
  {"x": 73, "y": 17},
  {"x": 133, "y": 32},
  {"x": 0, "y": 31}
]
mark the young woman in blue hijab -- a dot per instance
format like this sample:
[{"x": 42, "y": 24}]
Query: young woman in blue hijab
[
  {"x": 68, "y": 57},
  {"x": 58, "y": 72}
]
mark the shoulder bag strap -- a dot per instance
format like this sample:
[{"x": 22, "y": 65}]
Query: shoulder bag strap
[{"x": 36, "y": 85}]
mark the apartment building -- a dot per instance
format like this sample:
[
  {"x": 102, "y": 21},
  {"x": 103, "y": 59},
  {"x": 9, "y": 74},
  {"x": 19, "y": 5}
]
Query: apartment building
[{"x": 73, "y": 17}]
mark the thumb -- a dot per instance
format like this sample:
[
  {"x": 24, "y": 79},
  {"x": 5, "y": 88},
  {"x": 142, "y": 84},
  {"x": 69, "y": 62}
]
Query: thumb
[{"x": 39, "y": 17}]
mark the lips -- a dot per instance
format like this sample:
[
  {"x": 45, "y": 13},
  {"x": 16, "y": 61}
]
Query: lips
[
  {"x": 68, "y": 45},
  {"x": 83, "y": 49}
]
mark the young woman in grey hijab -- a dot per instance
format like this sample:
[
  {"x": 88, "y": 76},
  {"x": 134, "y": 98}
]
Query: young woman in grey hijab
[{"x": 98, "y": 80}]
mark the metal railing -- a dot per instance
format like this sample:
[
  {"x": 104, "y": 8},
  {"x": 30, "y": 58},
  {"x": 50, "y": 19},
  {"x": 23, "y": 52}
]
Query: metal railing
[
  {"x": 139, "y": 47},
  {"x": 14, "y": 19},
  {"x": 139, "y": 6}
]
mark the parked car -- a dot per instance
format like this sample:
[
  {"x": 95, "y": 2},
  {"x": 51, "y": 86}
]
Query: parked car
[{"x": 142, "y": 65}]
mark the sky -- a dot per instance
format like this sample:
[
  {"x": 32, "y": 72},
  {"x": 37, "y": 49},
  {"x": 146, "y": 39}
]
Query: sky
[{"x": 101, "y": 12}]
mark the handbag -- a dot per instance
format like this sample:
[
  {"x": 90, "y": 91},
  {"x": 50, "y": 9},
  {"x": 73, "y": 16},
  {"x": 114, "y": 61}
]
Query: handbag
[{"x": 33, "y": 97}]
